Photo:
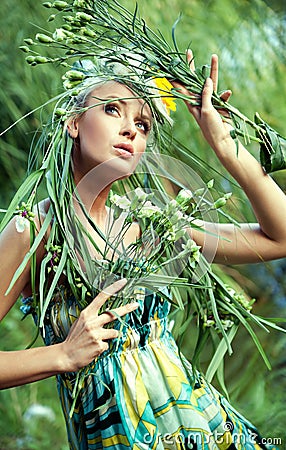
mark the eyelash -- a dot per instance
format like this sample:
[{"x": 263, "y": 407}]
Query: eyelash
[
  {"x": 109, "y": 106},
  {"x": 146, "y": 125}
]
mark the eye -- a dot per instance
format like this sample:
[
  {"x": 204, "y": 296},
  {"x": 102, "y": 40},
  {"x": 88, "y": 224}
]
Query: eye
[
  {"x": 111, "y": 109},
  {"x": 144, "y": 126}
]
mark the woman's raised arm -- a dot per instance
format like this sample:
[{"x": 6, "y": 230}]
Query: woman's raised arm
[{"x": 266, "y": 239}]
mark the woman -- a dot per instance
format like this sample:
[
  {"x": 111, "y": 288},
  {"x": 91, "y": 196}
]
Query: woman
[{"x": 136, "y": 391}]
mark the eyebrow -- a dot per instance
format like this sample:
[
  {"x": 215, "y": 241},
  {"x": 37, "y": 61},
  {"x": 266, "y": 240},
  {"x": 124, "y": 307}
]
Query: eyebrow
[{"x": 124, "y": 102}]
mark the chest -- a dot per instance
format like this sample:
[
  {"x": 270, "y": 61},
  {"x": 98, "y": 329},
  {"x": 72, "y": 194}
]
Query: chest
[{"x": 112, "y": 239}]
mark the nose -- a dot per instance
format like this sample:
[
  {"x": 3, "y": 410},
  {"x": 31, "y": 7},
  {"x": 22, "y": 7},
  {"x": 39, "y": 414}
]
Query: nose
[{"x": 128, "y": 129}]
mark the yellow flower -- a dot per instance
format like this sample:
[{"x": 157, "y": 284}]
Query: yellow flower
[{"x": 164, "y": 87}]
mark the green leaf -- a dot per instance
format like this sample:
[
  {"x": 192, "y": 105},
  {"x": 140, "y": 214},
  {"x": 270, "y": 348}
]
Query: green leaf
[
  {"x": 24, "y": 190},
  {"x": 45, "y": 302},
  {"x": 221, "y": 350}
]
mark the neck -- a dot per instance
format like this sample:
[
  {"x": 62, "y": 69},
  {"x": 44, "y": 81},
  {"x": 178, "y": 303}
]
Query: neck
[{"x": 94, "y": 202}]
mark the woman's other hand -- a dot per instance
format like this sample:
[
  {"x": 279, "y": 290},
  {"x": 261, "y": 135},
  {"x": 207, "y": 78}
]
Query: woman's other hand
[{"x": 88, "y": 337}]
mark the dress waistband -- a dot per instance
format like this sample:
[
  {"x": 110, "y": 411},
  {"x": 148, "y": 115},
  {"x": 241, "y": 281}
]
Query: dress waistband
[{"x": 131, "y": 340}]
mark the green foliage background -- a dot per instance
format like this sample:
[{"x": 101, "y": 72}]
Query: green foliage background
[{"x": 249, "y": 37}]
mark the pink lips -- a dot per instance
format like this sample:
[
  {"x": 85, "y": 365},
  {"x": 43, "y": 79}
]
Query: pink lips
[{"x": 124, "y": 149}]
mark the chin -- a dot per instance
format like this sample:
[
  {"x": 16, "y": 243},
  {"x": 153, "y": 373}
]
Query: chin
[
  {"x": 104, "y": 174},
  {"x": 121, "y": 167}
]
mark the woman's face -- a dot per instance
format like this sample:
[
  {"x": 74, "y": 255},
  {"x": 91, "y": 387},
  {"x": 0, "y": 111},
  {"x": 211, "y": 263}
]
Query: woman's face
[{"x": 114, "y": 129}]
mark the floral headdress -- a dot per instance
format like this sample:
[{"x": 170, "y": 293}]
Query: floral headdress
[
  {"x": 89, "y": 28},
  {"x": 86, "y": 75}
]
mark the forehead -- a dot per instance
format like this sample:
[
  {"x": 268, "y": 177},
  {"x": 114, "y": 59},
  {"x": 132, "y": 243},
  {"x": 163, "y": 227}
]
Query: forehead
[{"x": 112, "y": 89}]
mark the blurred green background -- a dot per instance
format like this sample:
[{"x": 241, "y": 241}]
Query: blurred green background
[{"x": 250, "y": 39}]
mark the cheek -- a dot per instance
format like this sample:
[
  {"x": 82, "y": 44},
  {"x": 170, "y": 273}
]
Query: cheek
[
  {"x": 91, "y": 133},
  {"x": 142, "y": 145}
]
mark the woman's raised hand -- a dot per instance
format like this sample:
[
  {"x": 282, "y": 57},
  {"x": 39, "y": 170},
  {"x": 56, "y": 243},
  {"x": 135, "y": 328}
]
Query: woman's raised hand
[
  {"x": 88, "y": 337},
  {"x": 214, "y": 129}
]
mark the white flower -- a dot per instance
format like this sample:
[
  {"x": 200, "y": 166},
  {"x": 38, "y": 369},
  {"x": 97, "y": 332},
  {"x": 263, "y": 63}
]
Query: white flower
[
  {"x": 209, "y": 323},
  {"x": 148, "y": 210},
  {"x": 171, "y": 236},
  {"x": 79, "y": 3},
  {"x": 140, "y": 194},
  {"x": 176, "y": 217},
  {"x": 21, "y": 223},
  {"x": 191, "y": 245},
  {"x": 172, "y": 206},
  {"x": 184, "y": 196},
  {"x": 121, "y": 201},
  {"x": 139, "y": 197},
  {"x": 227, "y": 324}
]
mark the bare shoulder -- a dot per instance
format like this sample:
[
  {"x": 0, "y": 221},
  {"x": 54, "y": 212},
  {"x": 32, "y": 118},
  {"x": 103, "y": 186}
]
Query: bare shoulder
[
  {"x": 20, "y": 231},
  {"x": 15, "y": 242}
]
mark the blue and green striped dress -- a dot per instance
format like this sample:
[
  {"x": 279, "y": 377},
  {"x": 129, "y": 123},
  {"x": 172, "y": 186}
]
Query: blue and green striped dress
[{"x": 139, "y": 394}]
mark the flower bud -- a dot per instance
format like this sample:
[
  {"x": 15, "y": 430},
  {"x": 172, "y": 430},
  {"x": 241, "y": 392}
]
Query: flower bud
[
  {"x": 41, "y": 59},
  {"x": 75, "y": 92},
  {"x": 24, "y": 48},
  {"x": 88, "y": 32},
  {"x": 184, "y": 197},
  {"x": 21, "y": 223},
  {"x": 83, "y": 17},
  {"x": 44, "y": 38},
  {"x": 47, "y": 5},
  {"x": 29, "y": 41},
  {"x": 60, "y": 112},
  {"x": 66, "y": 27},
  {"x": 79, "y": 3},
  {"x": 70, "y": 84},
  {"x": 200, "y": 191},
  {"x": 59, "y": 5},
  {"x": 68, "y": 18},
  {"x": 140, "y": 194},
  {"x": 227, "y": 195},
  {"x": 219, "y": 202},
  {"x": 74, "y": 75},
  {"x": 74, "y": 40},
  {"x": 31, "y": 60}
]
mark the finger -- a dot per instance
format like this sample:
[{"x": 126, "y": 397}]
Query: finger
[
  {"x": 109, "y": 333},
  {"x": 105, "y": 294},
  {"x": 190, "y": 59},
  {"x": 225, "y": 96},
  {"x": 207, "y": 94},
  {"x": 180, "y": 88},
  {"x": 214, "y": 71},
  {"x": 110, "y": 316}
]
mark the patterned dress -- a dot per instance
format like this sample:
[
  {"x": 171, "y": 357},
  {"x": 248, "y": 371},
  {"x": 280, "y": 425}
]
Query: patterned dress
[{"x": 139, "y": 394}]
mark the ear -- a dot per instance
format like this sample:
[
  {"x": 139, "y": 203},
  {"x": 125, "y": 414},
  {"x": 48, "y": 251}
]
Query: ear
[{"x": 72, "y": 127}]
